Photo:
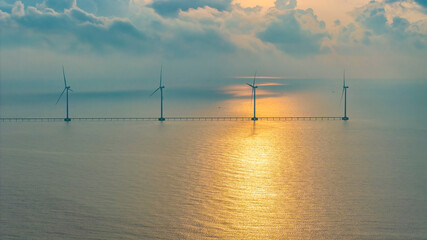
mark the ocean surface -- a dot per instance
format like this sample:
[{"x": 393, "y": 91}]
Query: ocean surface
[{"x": 359, "y": 179}]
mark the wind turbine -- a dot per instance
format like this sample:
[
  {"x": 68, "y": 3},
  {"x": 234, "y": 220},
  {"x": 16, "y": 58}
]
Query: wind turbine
[
  {"x": 161, "y": 95},
  {"x": 66, "y": 88},
  {"x": 344, "y": 93},
  {"x": 253, "y": 96}
]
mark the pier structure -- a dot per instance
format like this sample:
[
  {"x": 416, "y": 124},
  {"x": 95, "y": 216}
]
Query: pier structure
[{"x": 47, "y": 119}]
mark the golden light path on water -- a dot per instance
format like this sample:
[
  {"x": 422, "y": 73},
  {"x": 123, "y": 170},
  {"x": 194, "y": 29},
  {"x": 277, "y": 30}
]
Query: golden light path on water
[
  {"x": 256, "y": 186},
  {"x": 251, "y": 186},
  {"x": 245, "y": 181}
]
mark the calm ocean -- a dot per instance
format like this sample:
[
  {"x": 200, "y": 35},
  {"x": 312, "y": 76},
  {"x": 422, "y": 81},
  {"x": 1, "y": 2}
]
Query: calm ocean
[{"x": 361, "y": 179}]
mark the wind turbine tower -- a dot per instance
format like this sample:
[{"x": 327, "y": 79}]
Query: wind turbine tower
[
  {"x": 66, "y": 88},
  {"x": 344, "y": 92},
  {"x": 161, "y": 95},
  {"x": 254, "y": 87}
]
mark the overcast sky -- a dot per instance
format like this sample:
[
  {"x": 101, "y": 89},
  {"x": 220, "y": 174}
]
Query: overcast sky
[{"x": 209, "y": 41}]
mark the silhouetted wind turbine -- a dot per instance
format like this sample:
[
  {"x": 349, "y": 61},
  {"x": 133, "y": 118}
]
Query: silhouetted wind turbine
[
  {"x": 344, "y": 93},
  {"x": 66, "y": 88},
  {"x": 161, "y": 95},
  {"x": 253, "y": 96}
]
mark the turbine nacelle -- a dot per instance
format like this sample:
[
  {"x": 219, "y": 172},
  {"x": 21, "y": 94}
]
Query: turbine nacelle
[
  {"x": 67, "y": 88},
  {"x": 252, "y": 86}
]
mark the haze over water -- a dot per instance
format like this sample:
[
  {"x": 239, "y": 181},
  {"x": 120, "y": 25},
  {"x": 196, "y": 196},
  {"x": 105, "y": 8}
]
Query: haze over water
[{"x": 361, "y": 179}]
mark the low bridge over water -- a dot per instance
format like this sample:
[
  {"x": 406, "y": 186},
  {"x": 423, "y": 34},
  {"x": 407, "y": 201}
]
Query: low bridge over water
[{"x": 169, "y": 119}]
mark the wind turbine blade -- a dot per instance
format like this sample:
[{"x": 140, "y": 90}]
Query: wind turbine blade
[
  {"x": 161, "y": 74},
  {"x": 254, "y": 79},
  {"x": 63, "y": 73},
  {"x": 342, "y": 95},
  {"x": 155, "y": 91},
  {"x": 343, "y": 78},
  {"x": 61, "y": 95},
  {"x": 70, "y": 90},
  {"x": 249, "y": 85}
]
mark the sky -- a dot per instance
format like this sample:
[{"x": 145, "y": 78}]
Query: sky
[{"x": 118, "y": 43}]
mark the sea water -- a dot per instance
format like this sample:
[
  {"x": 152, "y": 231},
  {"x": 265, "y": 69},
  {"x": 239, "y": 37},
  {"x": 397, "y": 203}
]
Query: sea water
[{"x": 358, "y": 179}]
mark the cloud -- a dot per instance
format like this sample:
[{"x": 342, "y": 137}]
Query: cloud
[
  {"x": 399, "y": 31},
  {"x": 3, "y": 15},
  {"x": 117, "y": 8},
  {"x": 59, "y": 5},
  {"x": 7, "y": 5},
  {"x": 76, "y": 31},
  {"x": 171, "y": 8},
  {"x": 285, "y": 4},
  {"x": 83, "y": 17},
  {"x": 297, "y": 33},
  {"x": 18, "y": 9},
  {"x": 373, "y": 17},
  {"x": 189, "y": 42},
  {"x": 105, "y": 7},
  {"x": 71, "y": 30},
  {"x": 420, "y": 2},
  {"x": 189, "y": 31}
]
